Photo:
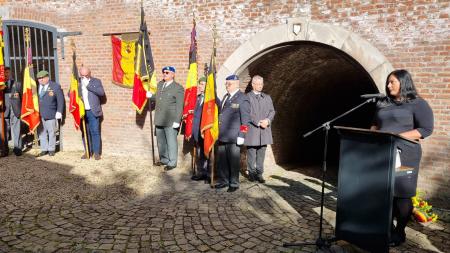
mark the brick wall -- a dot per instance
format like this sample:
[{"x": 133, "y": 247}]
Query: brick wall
[{"x": 412, "y": 35}]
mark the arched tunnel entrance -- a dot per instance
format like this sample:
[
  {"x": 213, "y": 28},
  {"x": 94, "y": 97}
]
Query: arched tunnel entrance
[{"x": 311, "y": 83}]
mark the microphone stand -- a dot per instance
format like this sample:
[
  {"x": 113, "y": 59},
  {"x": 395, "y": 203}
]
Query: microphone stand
[{"x": 324, "y": 242}]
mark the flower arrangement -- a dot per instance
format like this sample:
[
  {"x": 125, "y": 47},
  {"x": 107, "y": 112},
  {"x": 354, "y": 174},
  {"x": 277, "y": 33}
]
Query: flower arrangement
[{"x": 422, "y": 211}]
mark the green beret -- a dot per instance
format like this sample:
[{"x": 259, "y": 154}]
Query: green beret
[
  {"x": 202, "y": 79},
  {"x": 42, "y": 73}
]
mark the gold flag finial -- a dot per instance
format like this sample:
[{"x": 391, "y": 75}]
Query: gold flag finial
[{"x": 72, "y": 44}]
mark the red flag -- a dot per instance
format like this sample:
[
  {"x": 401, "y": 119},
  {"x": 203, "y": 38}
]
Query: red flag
[
  {"x": 209, "y": 125},
  {"x": 144, "y": 75},
  {"x": 190, "y": 95},
  {"x": 30, "y": 102},
  {"x": 76, "y": 105}
]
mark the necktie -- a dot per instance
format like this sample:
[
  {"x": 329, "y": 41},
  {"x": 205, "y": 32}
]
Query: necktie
[
  {"x": 42, "y": 92},
  {"x": 225, "y": 100}
]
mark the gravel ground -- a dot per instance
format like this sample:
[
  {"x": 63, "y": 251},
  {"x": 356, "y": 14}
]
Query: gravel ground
[{"x": 29, "y": 181}]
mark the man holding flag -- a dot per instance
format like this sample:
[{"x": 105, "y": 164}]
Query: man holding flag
[
  {"x": 92, "y": 93},
  {"x": 169, "y": 107},
  {"x": 234, "y": 118}
]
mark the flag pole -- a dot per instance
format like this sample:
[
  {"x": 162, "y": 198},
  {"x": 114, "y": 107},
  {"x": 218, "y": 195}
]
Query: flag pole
[
  {"x": 86, "y": 143},
  {"x": 151, "y": 126},
  {"x": 211, "y": 156}
]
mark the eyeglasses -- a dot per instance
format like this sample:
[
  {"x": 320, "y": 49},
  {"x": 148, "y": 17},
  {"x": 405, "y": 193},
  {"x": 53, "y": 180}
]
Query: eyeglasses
[{"x": 166, "y": 72}]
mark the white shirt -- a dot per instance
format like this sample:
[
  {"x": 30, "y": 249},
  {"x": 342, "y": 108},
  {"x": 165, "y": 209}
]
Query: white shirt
[
  {"x": 85, "y": 92},
  {"x": 166, "y": 84},
  {"x": 43, "y": 89},
  {"x": 257, "y": 92},
  {"x": 229, "y": 97}
]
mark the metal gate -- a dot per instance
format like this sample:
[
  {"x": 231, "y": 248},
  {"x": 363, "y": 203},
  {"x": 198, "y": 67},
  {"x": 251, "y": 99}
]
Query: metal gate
[{"x": 43, "y": 47}]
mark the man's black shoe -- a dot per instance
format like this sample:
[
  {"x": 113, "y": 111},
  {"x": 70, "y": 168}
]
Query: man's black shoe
[
  {"x": 251, "y": 178},
  {"x": 160, "y": 164},
  {"x": 17, "y": 151},
  {"x": 220, "y": 186},
  {"x": 84, "y": 157},
  {"x": 43, "y": 153},
  {"x": 232, "y": 189},
  {"x": 51, "y": 153},
  {"x": 168, "y": 167},
  {"x": 261, "y": 180},
  {"x": 198, "y": 178}
]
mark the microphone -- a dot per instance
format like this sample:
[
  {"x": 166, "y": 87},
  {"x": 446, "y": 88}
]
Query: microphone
[{"x": 376, "y": 96}]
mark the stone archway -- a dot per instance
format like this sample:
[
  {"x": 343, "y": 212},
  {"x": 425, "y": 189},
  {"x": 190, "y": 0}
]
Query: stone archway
[{"x": 312, "y": 75}]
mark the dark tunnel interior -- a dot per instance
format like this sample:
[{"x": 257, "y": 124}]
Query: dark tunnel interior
[{"x": 311, "y": 83}]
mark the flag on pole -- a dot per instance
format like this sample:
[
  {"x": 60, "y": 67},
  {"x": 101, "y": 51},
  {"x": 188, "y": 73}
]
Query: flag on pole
[
  {"x": 209, "y": 126},
  {"x": 124, "y": 52},
  {"x": 76, "y": 105},
  {"x": 144, "y": 74},
  {"x": 30, "y": 101},
  {"x": 2, "y": 65},
  {"x": 190, "y": 95}
]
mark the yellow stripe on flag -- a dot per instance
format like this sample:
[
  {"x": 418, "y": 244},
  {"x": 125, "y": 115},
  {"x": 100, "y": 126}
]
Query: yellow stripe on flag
[{"x": 128, "y": 52}]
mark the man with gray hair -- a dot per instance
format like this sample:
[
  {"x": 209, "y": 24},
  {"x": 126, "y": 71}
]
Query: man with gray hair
[
  {"x": 92, "y": 92},
  {"x": 259, "y": 133}
]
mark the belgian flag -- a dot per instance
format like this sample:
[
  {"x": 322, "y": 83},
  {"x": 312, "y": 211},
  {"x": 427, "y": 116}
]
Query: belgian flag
[
  {"x": 209, "y": 125},
  {"x": 76, "y": 105},
  {"x": 30, "y": 101},
  {"x": 144, "y": 68},
  {"x": 190, "y": 95},
  {"x": 124, "y": 52}
]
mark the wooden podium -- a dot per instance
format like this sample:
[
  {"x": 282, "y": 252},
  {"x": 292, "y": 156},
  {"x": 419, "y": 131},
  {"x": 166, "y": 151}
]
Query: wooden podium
[{"x": 368, "y": 166}]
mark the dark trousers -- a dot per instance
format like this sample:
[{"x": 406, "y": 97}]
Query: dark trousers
[
  {"x": 229, "y": 155},
  {"x": 93, "y": 128},
  {"x": 255, "y": 160},
  {"x": 202, "y": 162},
  {"x": 401, "y": 211}
]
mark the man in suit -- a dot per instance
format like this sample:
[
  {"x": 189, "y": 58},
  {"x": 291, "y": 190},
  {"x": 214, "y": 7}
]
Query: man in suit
[
  {"x": 259, "y": 133},
  {"x": 51, "y": 106},
  {"x": 202, "y": 162},
  {"x": 168, "y": 110},
  {"x": 234, "y": 117},
  {"x": 92, "y": 92},
  {"x": 13, "y": 105}
]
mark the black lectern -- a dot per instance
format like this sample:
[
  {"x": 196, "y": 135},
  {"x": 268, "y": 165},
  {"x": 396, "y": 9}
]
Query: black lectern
[{"x": 367, "y": 169}]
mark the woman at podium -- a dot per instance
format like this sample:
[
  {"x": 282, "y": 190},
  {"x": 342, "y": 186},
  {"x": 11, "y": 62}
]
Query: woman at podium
[{"x": 405, "y": 113}]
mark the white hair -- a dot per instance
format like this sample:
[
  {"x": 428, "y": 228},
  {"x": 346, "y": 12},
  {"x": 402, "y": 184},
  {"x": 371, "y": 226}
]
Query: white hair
[{"x": 257, "y": 78}]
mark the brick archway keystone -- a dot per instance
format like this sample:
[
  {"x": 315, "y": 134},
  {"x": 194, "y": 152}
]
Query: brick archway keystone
[{"x": 373, "y": 61}]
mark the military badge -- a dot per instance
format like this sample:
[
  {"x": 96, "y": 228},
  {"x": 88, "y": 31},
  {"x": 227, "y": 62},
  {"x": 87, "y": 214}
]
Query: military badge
[
  {"x": 234, "y": 106},
  {"x": 16, "y": 95},
  {"x": 51, "y": 93}
]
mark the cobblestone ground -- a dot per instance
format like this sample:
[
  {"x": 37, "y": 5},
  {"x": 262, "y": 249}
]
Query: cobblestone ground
[{"x": 64, "y": 204}]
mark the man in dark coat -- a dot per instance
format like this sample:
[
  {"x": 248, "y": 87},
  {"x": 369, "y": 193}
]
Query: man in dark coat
[
  {"x": 168, "y": 111},
  {"x": 92, "y": 92},
  {"x": 234, "y": 117},
  {"x": 51, "y": 106},
  {"x": 12, "y": 107},
  {"x": 259, "y": 133},
  {"x": 202, "y": 162}
]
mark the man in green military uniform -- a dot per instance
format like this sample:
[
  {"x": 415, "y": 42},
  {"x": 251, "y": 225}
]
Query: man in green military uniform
[{"x": 168, "y": 110}]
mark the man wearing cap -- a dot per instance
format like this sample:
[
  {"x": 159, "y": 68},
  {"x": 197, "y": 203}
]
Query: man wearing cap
[
  {"x": 51, "y": 106},
  {"x": 234, "y": 117},
  {"x": 202, "y": 162},
  {"x": 12, "y": 106},
  {"x": 259, "y": 133},
  {"x": 168, "y": 110}
]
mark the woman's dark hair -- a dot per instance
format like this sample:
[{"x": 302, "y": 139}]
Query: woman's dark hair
[{"x": 407, "y": 89}]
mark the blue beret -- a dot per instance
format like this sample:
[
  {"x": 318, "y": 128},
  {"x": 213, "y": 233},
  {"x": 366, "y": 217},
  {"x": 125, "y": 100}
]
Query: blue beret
[
  {"x": 169, "y": 68},
  {"x": 232, "y": 77}
]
